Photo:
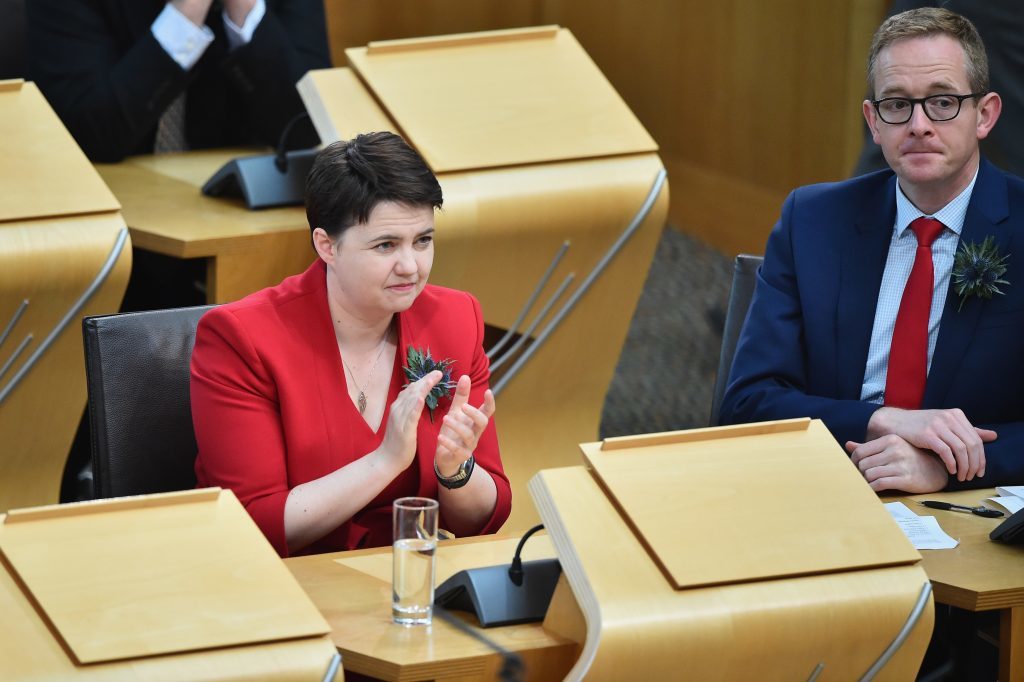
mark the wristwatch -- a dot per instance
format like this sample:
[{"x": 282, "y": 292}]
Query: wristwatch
[{"x": 461, "y": 476}]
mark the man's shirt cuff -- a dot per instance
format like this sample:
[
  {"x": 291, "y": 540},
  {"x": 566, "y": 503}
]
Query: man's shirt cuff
[
  {"x": 241, "y": 35},
  {"x": 181, "y": 39}
]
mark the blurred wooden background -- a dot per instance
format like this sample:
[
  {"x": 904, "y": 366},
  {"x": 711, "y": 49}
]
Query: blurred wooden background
[{"x": 747, "y": 100}]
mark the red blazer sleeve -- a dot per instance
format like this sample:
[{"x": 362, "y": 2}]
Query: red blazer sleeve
[
  {"x": 486, "y": 454},
  {"x": 237, "y": 422}
]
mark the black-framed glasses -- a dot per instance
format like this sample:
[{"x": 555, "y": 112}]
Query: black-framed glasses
[{"x": 896, "y": 110}]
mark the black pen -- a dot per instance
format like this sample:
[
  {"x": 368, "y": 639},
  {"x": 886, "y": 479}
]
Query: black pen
[{"x": 949, "y": 506}]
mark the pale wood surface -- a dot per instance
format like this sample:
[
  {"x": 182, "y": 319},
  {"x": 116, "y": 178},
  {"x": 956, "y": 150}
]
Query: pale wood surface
[
  {"x": 43, "y": 173},
  {"x": 339, "y": 105},
  {"x": 177, "y": 573},
  {"x": 501, "y": 103},
  {"x": 978, "y": 574},
  {"x": 50, "y": 262},
  {"x": 352, "y": 23},
  {"x": 712, "y": 491},
  {"x": 461, "y": 39},
  {"x": 30, "y": 651},
  {"x": 644, "y": 440},
  {"x": 640, "y": 627},
  {"x": 167, "y": 213},
  {"x": 353, "y": 591}
]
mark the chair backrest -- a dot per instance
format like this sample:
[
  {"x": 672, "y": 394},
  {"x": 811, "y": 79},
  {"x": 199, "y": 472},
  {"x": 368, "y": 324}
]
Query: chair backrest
[
  {"x": 137, "y": 371},
  {"x": 744, "y": 276}
]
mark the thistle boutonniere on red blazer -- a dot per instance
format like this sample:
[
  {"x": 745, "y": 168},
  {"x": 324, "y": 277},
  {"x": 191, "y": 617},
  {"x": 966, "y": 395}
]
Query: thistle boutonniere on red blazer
[
  {"x": 978, "y": 270},
  {"x": 420, "y": 364}
]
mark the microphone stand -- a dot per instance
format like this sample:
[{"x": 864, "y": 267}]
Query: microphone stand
[{"x": 277, "y": 179}]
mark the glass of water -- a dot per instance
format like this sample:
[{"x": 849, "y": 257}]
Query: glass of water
[{"x": 412, "y": 580}]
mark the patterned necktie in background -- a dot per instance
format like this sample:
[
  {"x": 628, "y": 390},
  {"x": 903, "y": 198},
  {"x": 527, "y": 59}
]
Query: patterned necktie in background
[
  {"x": 170, "y": 130},
  {"x": 908, "y": 354}
]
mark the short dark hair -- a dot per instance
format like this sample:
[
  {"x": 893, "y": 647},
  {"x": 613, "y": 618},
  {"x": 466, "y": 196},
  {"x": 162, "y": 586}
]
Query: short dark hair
[
  {"x": 929, "y": 21},
  {"x": 349, "y": 178}
]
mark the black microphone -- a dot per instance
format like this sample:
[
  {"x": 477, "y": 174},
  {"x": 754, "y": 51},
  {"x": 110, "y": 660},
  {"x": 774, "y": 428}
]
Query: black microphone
[
  {"x": 515, "y": 571},
  {"x": 281, "y": 152},
  {"x": 519, "y": 592},
  {"x": 277, "y": 179}
]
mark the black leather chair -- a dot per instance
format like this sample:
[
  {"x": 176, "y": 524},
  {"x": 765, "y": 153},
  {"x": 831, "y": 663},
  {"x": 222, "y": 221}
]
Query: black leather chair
[
  {"x": 744, "y": 276},
  {"x": 137, "y": 371}
]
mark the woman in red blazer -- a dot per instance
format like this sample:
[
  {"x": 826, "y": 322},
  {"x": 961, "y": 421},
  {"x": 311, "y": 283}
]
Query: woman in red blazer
[{"x": 299, "y": 397}]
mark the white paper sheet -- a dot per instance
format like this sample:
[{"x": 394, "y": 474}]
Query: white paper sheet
[
  {"x": 923, "y": 532},
  {"x": 1011, "y": 503}
]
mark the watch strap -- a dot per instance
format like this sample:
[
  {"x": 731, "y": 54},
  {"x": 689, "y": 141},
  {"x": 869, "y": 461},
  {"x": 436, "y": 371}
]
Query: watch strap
[{"x": 461, "y": 476}]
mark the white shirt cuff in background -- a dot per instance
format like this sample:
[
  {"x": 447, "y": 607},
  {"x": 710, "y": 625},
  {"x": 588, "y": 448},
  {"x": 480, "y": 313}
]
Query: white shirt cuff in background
[
  {"x": 181, "y": 39},
  {"x": 240, "y": 35}
]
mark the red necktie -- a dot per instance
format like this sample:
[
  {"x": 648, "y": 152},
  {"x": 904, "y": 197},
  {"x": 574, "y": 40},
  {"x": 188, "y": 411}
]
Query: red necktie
[{"x": 908, "y": 354}]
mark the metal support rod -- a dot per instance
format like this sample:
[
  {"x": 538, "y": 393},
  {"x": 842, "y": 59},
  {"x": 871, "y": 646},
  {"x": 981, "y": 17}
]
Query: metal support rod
[
  {"x": 634, "y": 225},
  {"x": 72, "y": 313},
  {"x": 332, "y": 667},
  {"x": 533, "y": 325},
  {"x": 531, "y": 300},
  {"x": 14, "y": 320},
  {"x": 915, "y": 615},
  {"x": 15, "y": 355}
]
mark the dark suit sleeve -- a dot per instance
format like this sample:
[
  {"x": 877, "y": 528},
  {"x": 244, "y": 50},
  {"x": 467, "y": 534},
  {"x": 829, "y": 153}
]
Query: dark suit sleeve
[
  {"x": 109, "y": 79},
  {"x": 1004, "y": 459},
  {"x": 290, "y": 40},
  {"x": 108, "y": 89},
  {"x": 769, "y": 372}
]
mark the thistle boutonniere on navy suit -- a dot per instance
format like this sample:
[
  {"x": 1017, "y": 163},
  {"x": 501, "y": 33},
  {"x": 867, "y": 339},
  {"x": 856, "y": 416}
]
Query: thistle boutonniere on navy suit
[
  {"x": 419, "y": 365},
  {"x": 978, "y": 270}
]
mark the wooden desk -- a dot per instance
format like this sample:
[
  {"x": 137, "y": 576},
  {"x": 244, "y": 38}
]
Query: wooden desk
[
  {"x": 166, "y": 213},
  {"x": 978, "y": 574},
  {"x": 353, "y": 592}
]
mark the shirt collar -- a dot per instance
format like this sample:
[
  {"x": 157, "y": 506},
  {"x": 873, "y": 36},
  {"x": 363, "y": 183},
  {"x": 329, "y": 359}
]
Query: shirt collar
[{"x": 951, "y": 215}]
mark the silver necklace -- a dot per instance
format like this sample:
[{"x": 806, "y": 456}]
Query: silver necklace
[{"x": 361, "y": 398}]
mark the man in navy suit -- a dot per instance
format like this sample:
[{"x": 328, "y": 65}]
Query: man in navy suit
[{"x": 857, "y": 319}]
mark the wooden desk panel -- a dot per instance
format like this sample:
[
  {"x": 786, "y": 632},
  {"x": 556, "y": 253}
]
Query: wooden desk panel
[
  {"x": 43, "y": 172},
  {"x": 640, "y": 627},
  {"x": 50, "y": 263},
  {"x": 31, "y": 650},
  {"x": 463, "y": 104}
]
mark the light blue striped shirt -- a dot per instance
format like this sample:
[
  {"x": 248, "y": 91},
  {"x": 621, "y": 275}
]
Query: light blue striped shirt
[{"x": 898, "y": 265}]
